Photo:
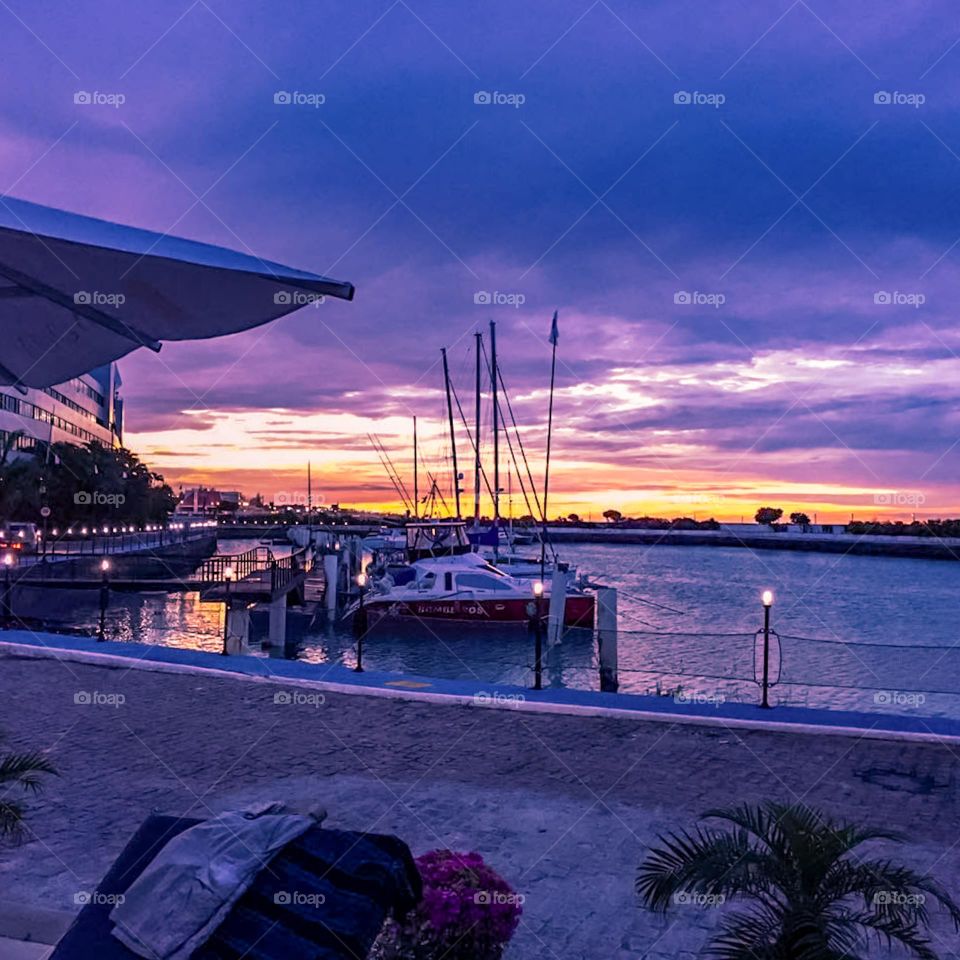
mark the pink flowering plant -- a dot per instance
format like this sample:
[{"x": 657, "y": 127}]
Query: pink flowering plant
[{"x": 468, "y": 912}]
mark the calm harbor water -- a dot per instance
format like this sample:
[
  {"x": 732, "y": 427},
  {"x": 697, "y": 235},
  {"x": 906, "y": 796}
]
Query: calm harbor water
[{"x": 859, "y": 633}]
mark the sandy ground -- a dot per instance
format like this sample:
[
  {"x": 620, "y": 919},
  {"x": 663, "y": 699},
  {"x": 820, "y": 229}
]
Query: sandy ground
[{"x": 563, "y": 806}]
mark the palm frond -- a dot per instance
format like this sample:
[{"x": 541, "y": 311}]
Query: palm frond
[
  {"x": 747, "y": 936},
  {"x": 21, "y": 768},
  {"x": 888, "y": 889},
  {"x": 705, "y": 861},
  {"x": 888, "y": 931}
]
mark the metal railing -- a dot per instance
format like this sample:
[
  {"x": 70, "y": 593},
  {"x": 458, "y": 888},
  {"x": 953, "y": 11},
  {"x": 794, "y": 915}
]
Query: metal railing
[
  {"x": 96, "y": 545},
  {"x": 285, "y": 569},
  {"x": 240, "y": 566},
  {"x": 257, "y": 560}
]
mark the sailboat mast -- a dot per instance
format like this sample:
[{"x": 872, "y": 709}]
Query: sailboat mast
[
  {"x": 453, "y": 435},
  {"x": 476, "y": 439},
  {"x": 496, "y": 429},
  {"x": 554, "y": 339},
  {"x": 416, "y": 488},
  {"x": 309, "y": 490}
]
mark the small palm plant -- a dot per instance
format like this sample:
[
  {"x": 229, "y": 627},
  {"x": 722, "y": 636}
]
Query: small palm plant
[
  {"x": 810, "y": 895},
  {"x": 19, "y": 774}
]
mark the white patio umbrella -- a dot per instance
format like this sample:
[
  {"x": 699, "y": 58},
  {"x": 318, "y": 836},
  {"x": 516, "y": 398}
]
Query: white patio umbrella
[{"x": 76, "y": 293}]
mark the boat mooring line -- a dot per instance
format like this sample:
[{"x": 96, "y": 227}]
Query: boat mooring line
[{"x": 496, "y": 696}]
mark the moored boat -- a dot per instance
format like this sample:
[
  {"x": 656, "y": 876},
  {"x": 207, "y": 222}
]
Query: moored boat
[{"x": 444, "y": 580}]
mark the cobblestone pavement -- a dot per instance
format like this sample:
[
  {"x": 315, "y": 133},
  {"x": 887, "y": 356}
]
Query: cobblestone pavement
[{"x": 562, "y": 806}]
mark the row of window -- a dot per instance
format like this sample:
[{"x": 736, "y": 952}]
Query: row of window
[
  {"x": 22, "y": 442},
  {"x": 25, "y": 408},
  {"x": 88, "y": 391},
  {"x": 73, "y": 405}
]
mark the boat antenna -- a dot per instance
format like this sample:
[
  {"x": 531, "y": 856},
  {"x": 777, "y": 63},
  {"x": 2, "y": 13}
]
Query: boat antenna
[
  {"x": 496, "y": 438},
  {"x": 476, "y": 446},
  {"x": 416, "y": 489},
  {"x": 453, "y": 435},
  {"x": 554, "y": 338}
]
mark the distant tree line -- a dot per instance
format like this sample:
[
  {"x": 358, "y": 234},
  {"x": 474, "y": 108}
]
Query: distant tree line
[
  {"x": 87, "y": 484},
  {"x": 897, "y": 528}
]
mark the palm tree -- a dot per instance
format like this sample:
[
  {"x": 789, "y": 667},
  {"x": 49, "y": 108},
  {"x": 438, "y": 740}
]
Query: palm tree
[
  {"x": 19, "y": 773},
  {"x": 811, "y": 897}
]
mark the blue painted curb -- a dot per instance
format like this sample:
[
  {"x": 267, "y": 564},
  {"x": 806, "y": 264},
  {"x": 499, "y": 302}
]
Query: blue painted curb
[{"x": 494, "y": 694}]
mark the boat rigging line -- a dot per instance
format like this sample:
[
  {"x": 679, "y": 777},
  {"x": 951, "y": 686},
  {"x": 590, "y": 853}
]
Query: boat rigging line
[{"x": 391, "y": 470}]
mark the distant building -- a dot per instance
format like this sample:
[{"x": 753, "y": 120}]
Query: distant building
[
  {"x": 87, "y": 408},
  {"x": 201, "y": 501}
]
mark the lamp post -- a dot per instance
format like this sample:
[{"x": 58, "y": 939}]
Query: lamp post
[
  {"x": 104, "y": 597},
  {"x": 228, "y": 578},
  {"x": 537, "y": 636},
  {"x": 360, "y": 622},
  {"x": 767, "y": 600},
  {"x": 8, "y": 561}
]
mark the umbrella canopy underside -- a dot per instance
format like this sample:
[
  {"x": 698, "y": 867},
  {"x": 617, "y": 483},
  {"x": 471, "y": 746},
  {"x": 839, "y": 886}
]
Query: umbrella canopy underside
[{"x": 76, "y": 293}]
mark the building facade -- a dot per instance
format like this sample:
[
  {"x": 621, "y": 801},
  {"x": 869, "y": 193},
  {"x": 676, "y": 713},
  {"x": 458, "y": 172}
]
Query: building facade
[{"x": 86, "y": 408}]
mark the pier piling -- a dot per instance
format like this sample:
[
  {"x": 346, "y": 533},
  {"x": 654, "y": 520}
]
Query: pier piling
[
  {"x": 330, "y": 564},
  {"x": 238, "y": 629},
  {"x": 277, "y": 635},
  {"x": 607, "y": 638},
  {"x": 558, "y": 603}
]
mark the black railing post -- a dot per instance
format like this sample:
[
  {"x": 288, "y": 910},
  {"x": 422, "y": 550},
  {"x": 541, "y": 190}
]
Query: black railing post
[{"x": 767, "y": 604}]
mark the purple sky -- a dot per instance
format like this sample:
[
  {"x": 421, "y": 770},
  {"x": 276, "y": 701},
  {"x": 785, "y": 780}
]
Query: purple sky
[{"x": 786, "y": 212}]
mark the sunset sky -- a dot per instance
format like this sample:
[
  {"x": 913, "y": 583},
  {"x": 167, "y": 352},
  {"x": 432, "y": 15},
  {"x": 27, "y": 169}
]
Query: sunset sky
[{"x": 756, "y": 288}]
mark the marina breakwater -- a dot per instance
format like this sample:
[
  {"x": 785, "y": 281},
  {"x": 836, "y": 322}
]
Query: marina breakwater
[{"x": 927, "y": 548}]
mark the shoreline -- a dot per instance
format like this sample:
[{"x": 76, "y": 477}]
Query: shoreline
[{"x": 919, "y": 548}]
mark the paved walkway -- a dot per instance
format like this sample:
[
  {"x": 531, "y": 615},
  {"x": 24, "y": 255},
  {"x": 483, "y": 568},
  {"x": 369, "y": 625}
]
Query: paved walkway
[{"x": 563, "y": 806}]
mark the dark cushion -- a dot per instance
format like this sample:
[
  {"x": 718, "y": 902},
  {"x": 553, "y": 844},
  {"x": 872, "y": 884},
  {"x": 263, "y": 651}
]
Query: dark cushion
[{"x": 325, "y": 896}]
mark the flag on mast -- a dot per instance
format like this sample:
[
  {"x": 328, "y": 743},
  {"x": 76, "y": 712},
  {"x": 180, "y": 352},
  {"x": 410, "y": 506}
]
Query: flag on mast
[{"x": 554, "y": 331}]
